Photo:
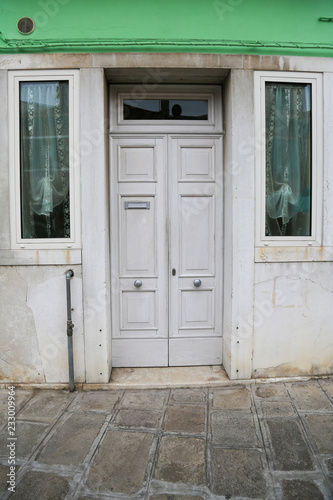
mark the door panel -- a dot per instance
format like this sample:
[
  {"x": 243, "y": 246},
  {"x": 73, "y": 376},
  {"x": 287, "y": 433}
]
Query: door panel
[
  {"x": 184, "y": 352},
  {"x": 137, "y": 236},
  {"x": 196, "y": 164},
  {"x": 196, "y": 234},
  {"x": 196, "y": 309},
  {"x": 195, "y": 251},
  {"x": 137, "y": 164},
  {"x": 137, "y": 353},
  {"x": 138, "y": 252},
  {"x": 164, "y": 208},
  {"x": 138, "y": 310}
]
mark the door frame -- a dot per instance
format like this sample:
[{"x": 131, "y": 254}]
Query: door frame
[{"x": 170, "y": 129}]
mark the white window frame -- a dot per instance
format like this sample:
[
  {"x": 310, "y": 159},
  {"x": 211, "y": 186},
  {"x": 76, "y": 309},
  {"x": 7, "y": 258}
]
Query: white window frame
[
  {"x": 14, "y": 79},
  {"x": 211, "y": 93},
  {"x": 315, "y": 79}
]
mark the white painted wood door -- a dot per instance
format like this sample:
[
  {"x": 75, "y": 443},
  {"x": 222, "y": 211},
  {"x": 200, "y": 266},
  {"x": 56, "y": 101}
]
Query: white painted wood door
[{"x": 166, "y": 232}]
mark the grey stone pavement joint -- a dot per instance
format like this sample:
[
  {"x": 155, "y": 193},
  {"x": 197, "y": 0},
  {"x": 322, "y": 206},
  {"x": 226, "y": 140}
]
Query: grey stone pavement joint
[{"x": 260, "y": 441}]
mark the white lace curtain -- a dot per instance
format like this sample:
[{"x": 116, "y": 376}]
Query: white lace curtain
[
  {"x": 44, "y": 160},
  {"x": 288, "y": 159}
]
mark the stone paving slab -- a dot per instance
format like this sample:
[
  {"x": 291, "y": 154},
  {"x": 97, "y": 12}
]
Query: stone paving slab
[
  {"x": 45, "y": 406},
  {"x": 327, "y": 385},
  {"x": 277, "y": 409},
  {"x": 39, "y": 485},
  {"x": 185, "y": 419},
  {"x": 311, "y": 397},
  {"x": 329, "y": 464},
  {"x": 72, "y": 440},
  {"x": 237, "y": 473},
  {"x": 321, "y": 429},
  {"x": 298, "y": 489},
  {"x": 262, "y": 441},
  {"x": 28, "y": 436},
  {"x": 181, "y": 460},
  {"x": 290, "y": 450},
  {"x": 270, "y": 391},
  {"x": 103, "y": 401},
  {"x": 21, "y": 399},
  {"x": 188, "y": 396},
  {"x": 138, "y": 418},
  {"x": 145, "y": 399},
  {"x": 233, "y": 429},
  {"x": 121, "y": 462},
  {"x": 237, "y": 398}
]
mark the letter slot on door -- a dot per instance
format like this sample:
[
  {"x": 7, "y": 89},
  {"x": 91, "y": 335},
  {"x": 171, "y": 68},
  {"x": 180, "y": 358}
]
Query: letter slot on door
[{"x": 137, "y": 205}]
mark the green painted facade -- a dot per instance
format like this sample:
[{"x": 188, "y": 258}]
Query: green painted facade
[{"x": 283, "y": 27}]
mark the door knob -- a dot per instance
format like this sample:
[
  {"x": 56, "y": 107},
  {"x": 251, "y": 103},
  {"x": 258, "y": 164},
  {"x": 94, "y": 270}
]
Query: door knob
[
  {"x": 137, "y": 283},
  {"x": 197, "y": 282}
]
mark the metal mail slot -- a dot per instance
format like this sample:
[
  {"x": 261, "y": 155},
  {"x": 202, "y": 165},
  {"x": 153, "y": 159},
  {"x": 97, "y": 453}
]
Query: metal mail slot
[{"x": 137, "y": 204}]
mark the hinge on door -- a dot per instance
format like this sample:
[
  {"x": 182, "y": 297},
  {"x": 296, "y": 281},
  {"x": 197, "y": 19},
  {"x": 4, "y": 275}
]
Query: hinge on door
[{"x": 173, "y": 272}]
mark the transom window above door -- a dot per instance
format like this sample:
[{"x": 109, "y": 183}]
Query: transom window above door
[
  {"x": 165, "y": 109},
  {"x": 169, "y": 108}
]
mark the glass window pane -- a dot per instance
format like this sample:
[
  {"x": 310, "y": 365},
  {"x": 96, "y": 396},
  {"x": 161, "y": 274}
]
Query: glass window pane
[
  {"x": 165, "y": 109},
  {"x": 288, "y": 159},
  {"x": 44, "y": 136}
]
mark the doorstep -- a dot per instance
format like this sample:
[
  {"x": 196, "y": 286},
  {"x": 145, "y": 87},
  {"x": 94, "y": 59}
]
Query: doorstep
[{"x": 180, "y": 377}]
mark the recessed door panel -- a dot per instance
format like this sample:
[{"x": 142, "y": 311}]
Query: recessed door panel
[
  {"x": 137, "y": 235},
  {"x": 137, "y": 164},
  {"x": 196, "y": 309},
  {"x": 196, "y": 228},
  {"x": 138, "y": 311},
  {"x": 196, "y": 164}
]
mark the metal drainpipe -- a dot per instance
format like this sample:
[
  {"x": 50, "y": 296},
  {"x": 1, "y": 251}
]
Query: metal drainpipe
[{"x": 70, "y": 326}]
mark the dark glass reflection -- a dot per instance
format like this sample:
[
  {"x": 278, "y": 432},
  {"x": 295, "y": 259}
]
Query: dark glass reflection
[
  {"x": 44, "y": 136},
  {"x": 165, "y": 109}
]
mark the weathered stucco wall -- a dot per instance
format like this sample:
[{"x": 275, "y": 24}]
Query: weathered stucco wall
[
  {"x": 293, "y": 319},
  {"x": 293, "y": 291},
  {"x": 278, "y": 303},
  {"x": 238, "y": 213},
  {"x": 33, "y": 340}
]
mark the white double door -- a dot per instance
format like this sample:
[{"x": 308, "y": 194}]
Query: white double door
[{"x": 166, "y": 250}]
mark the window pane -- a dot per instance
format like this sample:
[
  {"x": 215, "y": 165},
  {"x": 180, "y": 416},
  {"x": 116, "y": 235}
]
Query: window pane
[
  {"x": 288, "y": 159},
  {"x": 165, "y": 109},
  {"x": 44, "y": 135}
]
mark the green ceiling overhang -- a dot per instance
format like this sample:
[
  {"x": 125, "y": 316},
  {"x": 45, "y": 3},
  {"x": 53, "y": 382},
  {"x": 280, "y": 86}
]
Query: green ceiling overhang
[{"x": 268, "y": 27}]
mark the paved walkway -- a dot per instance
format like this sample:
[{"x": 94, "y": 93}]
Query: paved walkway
[{"x": 256, "y": 441}]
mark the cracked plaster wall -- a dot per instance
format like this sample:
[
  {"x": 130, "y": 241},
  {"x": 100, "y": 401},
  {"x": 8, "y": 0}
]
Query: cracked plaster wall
[
  {"x": 293, "y": 318},
  {"x": 33, "y": 313}
]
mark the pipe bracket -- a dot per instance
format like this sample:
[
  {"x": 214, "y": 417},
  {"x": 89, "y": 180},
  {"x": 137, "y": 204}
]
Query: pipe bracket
[{"x": 70, "y": 327}]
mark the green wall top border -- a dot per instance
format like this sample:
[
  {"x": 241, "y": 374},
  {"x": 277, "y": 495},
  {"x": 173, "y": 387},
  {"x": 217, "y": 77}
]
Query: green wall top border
[{"x": 15, "y": 46}]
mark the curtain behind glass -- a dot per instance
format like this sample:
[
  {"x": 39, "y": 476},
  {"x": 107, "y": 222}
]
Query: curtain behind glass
[
  {"x": 288, "y": 159},
  {"x": 44, "y": 130}
]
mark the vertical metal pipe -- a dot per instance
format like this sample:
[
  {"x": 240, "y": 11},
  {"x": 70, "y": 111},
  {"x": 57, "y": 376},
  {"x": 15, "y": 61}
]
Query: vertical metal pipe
[{"x": 70, "y": 326}]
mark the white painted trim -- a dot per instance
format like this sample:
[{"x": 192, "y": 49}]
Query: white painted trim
[
  {"x": 315, "y": 79},
  {"x": 212, "y": 93},
  {"x": 14, "y": 79}
]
